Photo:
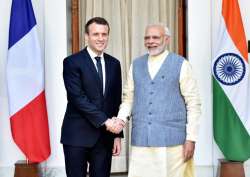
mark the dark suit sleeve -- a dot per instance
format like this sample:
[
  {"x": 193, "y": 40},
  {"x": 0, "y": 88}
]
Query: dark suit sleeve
[
  {"x": 76, "y": 95},
  {"x": 118, "y": 96}
]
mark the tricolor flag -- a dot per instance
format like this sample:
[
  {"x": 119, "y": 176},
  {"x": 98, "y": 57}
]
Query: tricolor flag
[
  {"x": 231, "y": 85},
  {"x": 25, "y": 79}
]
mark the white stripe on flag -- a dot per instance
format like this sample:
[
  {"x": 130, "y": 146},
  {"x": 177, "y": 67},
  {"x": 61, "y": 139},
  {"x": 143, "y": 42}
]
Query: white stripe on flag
[{"x": 25, "y": 71}]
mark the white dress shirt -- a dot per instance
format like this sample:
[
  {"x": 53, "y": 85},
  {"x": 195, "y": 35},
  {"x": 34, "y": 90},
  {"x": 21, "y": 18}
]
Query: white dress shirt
[{"x": 93, "y": 55}]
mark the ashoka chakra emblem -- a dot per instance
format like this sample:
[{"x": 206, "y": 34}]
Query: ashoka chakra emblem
[{"x": 229, "y": 69}]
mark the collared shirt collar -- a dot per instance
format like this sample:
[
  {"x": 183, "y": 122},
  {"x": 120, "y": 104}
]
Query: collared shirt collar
[
  {"x": 93, "y": 54},
  {"x": 162, "y": 55}
]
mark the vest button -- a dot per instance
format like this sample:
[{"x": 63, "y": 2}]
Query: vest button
[
  {"x": 152, "y": 82},
  {"x": 151, "y": 93},
  {"x": 149, "y": 123},
  {"x": 150, "y": 113},
  {"x": 150, "y": 103}
]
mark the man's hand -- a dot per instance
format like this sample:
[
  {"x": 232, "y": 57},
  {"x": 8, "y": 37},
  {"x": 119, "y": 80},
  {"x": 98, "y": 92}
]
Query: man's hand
[
  {"x": 109, "y": 123},
  {"x": 117, "y": 147},
  {"x": 115, "y": 125},
  {"x": 188, "y": 150},
  {"x": 118, "y": 125}
]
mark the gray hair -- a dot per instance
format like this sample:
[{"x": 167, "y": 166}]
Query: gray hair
[{"x": 166, "y": 29}]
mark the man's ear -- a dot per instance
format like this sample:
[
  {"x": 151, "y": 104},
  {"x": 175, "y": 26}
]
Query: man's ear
[
  {"x": 86, "y": 37},
  {"x": 167, "y": 38}
]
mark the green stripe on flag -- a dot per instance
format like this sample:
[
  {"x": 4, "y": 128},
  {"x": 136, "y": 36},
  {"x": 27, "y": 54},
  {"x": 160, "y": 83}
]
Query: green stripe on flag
[{"x": 229, "y": 132}]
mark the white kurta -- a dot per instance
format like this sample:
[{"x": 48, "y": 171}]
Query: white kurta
[
  {"x": 164, "y": 161},
  {"x": 159, "y": 162}
]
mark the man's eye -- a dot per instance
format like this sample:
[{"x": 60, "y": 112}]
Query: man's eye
[
  {"x": 156, "y": 37},
  {"x": 152, "y": 37}
]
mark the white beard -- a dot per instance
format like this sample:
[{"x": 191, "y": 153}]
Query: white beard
[{"x": 157, "y": 51}]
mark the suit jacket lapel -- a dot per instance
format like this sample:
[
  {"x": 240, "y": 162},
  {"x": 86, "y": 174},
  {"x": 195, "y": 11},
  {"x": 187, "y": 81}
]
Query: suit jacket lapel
[{"x": 108, "y": 74}]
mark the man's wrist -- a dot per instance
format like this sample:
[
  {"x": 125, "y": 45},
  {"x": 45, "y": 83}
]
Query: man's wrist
[{"x": 124, "y": 119}]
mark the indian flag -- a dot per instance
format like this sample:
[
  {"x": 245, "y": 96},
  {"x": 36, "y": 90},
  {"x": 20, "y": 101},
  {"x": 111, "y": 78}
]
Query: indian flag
[{"x": 231, "y": 85}]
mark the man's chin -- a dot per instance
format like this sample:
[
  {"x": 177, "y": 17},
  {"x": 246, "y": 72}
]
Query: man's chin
[
  {"x": 100, "y": 50},
  {"x": 154, "y": 53}
]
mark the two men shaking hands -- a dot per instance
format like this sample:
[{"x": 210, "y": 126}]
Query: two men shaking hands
[{"x": 115, "y": 125}]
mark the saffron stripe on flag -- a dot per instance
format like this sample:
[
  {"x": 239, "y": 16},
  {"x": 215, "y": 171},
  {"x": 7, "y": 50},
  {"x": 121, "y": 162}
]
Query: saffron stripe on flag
[{"x": 232, "y": 17}]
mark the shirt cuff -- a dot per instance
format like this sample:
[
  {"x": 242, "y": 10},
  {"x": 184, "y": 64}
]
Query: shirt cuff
[
  {"x": 122, "y": 116},
  {"x": 191, "y": 138}
]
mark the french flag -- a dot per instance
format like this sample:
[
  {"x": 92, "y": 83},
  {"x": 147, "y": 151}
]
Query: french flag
[{"x": 25, "y": 81}]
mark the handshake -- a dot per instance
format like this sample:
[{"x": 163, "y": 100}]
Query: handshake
[{"x": 114, "y": 125}]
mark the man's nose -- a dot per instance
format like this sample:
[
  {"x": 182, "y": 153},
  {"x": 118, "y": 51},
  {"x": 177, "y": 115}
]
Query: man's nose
[
  {"x": 150, "y": 40},
  {"x": 100, "y": 37}
]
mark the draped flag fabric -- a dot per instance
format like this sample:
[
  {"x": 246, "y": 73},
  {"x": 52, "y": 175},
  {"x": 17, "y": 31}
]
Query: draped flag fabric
[
  {"x": 25, "y": 80},
  {"x": 231, "y": 85}
]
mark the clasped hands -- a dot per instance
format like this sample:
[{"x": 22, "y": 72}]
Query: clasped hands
[{"x": 114, "y": 125}]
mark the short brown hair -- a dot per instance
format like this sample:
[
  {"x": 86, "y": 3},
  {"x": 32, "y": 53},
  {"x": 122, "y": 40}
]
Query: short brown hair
[{"x": 97, "y": 20}]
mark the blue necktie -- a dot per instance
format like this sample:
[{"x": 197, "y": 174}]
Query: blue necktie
[{"x": 99, "y": 70}]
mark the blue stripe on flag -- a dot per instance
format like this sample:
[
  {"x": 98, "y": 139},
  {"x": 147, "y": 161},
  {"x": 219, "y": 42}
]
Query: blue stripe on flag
[{"x": 22, "y": 20}]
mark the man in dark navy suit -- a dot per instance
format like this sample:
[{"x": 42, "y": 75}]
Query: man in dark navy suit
[{"x": 92, "y": 80}]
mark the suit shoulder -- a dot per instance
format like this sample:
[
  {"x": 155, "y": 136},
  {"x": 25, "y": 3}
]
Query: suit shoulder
[
  {"x": 111, "y": 58},
  {"x": 73, "y": 58}
]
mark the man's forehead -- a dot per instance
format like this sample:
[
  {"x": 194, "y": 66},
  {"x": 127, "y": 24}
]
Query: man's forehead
[{"x": 154, "y": 30}]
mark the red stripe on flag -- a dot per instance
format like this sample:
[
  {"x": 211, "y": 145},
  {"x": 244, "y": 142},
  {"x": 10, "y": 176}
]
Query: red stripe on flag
[
  {"x": 30, "y": 129},
  {"x": 232, "y": 17}
]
